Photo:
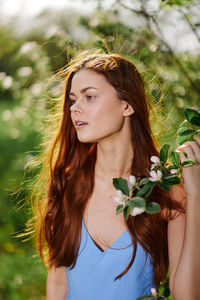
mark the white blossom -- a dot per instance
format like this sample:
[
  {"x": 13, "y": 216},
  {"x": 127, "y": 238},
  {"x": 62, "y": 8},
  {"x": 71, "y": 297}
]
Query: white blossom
[
  {"x": 7, "y": 82},
  {"x": 6, "y": 115},
  {"x": 14, "y": 133},
  {"x": 36, "y": 89},
  {"x": 131, "y": 181},
  {"x": 28, "y": 46},
  {"x": 24, "y": 71},
  {"x": 119, "y": 201},
  {"x": 153, "y": 166},
  {"x": 153, "y": 291},
  {"x": 155, "y": 159},
  {"x": 119, "y": 193},
  {"x": 173, "y": 171},
  {"x": 152, "y": 47},
  {"x": 137, "y": 210},
  {"x": 119, "y": 198},
  {"x": 155, "y": 175}
]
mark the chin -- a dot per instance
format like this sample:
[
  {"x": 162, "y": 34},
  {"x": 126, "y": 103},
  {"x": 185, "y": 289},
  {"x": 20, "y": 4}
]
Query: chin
[
  {"x": 87, "y": 140},
  {"x": 94, "y": 138}
]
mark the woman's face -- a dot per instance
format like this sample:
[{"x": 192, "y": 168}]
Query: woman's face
[{"x": 95, "y": 102}]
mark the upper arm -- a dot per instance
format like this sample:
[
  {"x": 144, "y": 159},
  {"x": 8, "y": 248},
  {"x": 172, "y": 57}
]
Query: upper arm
[
  {"x": 57, "y": 287},
  {"x": 176, "y": 232}
]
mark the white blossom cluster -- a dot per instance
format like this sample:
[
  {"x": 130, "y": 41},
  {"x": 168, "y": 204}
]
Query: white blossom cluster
[
  {"x": 120, "y": 198},
  {"x": 155, "y": 176}
]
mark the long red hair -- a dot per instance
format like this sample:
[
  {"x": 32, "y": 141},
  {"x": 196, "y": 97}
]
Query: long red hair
[{"x": 70, "y": 181}]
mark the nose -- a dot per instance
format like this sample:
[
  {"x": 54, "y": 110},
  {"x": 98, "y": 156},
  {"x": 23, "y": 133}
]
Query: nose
[{"x": 77, "y": 106}]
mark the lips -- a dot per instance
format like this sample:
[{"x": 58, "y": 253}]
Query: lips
[{"x": 80, "y": 122}]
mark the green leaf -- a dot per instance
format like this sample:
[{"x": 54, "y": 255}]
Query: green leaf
[
  {"x": 126, "y": 212},
  {"x": 186, "y": 131},
  {"x": 182, "y": 139},
  {"x": 188, "y": 163},
  {"x": 143, "y": 190},
  {"x": 172, "y": 179},
  {"x": 144, "y": 181},
  {"x": 172, "y": 167},
  {"x": 136, "y": 202},
  {"x": 165, "y": 185},
  {"x": 163, "y": 155},
  {"x": 185, "y": 123},
  {"x": 152, "y": 208},
  {"x": 134, "y": 192},
  {"x": 119, "y": 209},
  {"x": 191, "y": 138},
  {"x": 175, "y": 158},
  {"x": 146, "y": 190},
  {"x": 192, "y": 116},
  {"x": 163, "y": 170},
  {"x": 121, "y": 184},
  {"x": 181, "y": 129}
]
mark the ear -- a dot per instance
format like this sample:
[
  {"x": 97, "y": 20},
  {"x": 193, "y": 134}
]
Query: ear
[{"x": 127, "y": 109}]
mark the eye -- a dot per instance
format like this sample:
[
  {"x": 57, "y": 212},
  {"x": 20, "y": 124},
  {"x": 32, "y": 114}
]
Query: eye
[
  {"x": 71, "y": 101},
  {"x": 90, "y": 97}
]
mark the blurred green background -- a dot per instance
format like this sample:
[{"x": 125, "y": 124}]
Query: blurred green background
[{"x": 161, "y": 37}]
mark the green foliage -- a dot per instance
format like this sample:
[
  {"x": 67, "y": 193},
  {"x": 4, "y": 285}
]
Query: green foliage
[
  {"x": 18, "y": 278},
  {"x": 189, "y": 127},
  {"x": 136, "y": 202},
  {"x": 119, "y": 209},
  {"x": 192, "y": 116},
  {"x": 187, "y": 163},
  {"x": 177, "y": 2},
  {"x": 163, "y": 155},
  {"x": 175, "y": 159},
  {"x": 121, "y": 184},
  {"x": 141, "y": 189},
  {"x": 152, "y": 208}
]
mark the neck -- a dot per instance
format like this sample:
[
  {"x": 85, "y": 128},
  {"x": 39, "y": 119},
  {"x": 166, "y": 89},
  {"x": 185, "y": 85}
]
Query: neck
[{"x": 114, "y": 159}]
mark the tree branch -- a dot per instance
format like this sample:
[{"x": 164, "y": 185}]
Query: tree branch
[{"x": 152, "y": 18}]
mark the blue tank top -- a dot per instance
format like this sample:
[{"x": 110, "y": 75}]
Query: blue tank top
[{"x": 94, "y": 272}]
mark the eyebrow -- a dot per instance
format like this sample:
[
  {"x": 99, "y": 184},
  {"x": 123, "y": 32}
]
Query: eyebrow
[{"x": 84, "y": 90}]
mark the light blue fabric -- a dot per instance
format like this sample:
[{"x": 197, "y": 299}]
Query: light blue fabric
[{"x": 94, "y": 272}]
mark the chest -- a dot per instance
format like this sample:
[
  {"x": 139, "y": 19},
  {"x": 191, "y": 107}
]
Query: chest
[{"x": 100, "y": 218}]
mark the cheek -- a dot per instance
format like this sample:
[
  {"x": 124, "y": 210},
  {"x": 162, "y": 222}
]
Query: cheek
[{"x": 109, "y": 117}]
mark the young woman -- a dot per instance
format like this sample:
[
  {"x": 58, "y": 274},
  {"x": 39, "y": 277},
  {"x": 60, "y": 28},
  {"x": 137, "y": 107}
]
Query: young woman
[{"x": 105, "y": 133}]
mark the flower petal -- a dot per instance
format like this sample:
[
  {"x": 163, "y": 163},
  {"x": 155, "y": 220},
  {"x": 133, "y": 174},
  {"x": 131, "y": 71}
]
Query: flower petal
[
  {"x": 153, "y": 174},
  {"x": 119, "y": 194},
  {"x": 117, "y": 201},
  {"x": 173, "y": 171},
  {"x": 153, "y": 291},
  {"x": 155, "y": 159},
  {"x": 159, "y": 174},
  {"x": 137, "y": 210},
  {"x": 132, "y": 179},
  {"x": 153, "y": 166},
  {"x": 152, "y": 179}
]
